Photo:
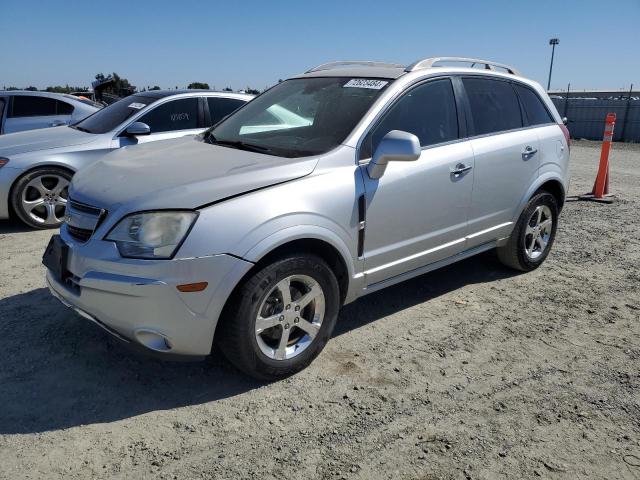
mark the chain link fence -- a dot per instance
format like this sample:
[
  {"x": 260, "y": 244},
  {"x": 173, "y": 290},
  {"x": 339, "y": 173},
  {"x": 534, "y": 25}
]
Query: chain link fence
[{"x": 586, "y": 113}]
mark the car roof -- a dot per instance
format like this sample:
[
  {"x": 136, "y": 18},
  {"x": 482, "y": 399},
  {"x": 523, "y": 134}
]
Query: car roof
[
  {"x": 168, "y": 93},
  {"x": 425, "y": 66},
  {"x": 40, "y": 94},
  {"x": 390, "y": 72}
]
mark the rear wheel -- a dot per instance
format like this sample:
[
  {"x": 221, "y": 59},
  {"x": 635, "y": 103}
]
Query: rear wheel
[
  {"x": 281, "y": 318},
  {"x": 533, "y": 235},
  {"x": 39, "y": 198}
]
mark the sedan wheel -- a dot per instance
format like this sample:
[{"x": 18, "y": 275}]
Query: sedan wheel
[{"x": 40, "y": 197}]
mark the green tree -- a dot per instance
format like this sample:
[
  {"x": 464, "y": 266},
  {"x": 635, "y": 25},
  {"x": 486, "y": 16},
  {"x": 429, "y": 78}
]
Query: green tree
[
  {"x": 227, "y": 89},
  {"x": 155, "y": 87},
  {"x": 31, "y": 89},
  {"x": 251, "y": 91},
  {"x": 198, "y": 85}
]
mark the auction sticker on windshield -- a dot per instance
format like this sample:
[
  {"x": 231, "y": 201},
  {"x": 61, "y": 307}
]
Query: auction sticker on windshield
[
  {"x": 137, "y": 106},
  {"x": 365, "y": 83}
]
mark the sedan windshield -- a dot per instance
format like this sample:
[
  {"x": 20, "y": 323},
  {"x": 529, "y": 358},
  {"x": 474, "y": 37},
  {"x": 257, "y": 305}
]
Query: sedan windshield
[
  {"x": 299, "y": 117},
  {"x": 110, "y": 117}
]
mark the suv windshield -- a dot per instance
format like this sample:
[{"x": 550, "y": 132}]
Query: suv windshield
[
  {"x": 299, "y": 117},
  {"x": 110, "y": 117}
]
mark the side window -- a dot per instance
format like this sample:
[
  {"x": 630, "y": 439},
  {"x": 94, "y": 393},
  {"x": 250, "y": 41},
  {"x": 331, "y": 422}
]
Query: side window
[
  {"x": 181, "y": 114},
  {"x": 221, "y": 107},
  {"x": 534, "y": 109},
  {"x": 428, "y": 111},
  {"x": 494, "y": 105},
  {"x": 31, "y": 106},
  {"x": 63, "y": 108}
]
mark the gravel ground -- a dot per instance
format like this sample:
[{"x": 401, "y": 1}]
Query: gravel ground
[{"x": 467, "y": 372}]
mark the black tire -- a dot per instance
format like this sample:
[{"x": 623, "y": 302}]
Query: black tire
[
  {"x": 513, "y": 254},
  {"x": 236, "y": 336},
  {"x": 49, "y": 175}
]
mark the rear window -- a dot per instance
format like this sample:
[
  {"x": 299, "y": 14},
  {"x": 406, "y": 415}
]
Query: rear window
[
  {"x": 34, "y": 106},
  {"x": 494, "y": 105},
  {"x": 534, "y": 110}
]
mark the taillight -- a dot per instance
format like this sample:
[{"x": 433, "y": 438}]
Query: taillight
[
  {"x": 3, "y": 161},
  {"x": 565, "y": 130}
]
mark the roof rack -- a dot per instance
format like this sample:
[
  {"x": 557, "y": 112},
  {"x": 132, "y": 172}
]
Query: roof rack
[
  {"x": 332, "y": 65},
  {"x": 429, "y": 63}
]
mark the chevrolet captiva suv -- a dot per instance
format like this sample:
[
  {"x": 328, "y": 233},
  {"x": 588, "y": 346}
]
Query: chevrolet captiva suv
[{"x": 329, "y": 186}]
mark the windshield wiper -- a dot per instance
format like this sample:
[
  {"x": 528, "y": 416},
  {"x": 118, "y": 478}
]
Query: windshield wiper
[
  {"x": 82, "y": 129},
  {"x": 240, "y": 145}
]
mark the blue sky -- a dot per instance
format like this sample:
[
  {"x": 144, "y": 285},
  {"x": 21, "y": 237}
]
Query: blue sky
[{"x": 252, "y": 43}]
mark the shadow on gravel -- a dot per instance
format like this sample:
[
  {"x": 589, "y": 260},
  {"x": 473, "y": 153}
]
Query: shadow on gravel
[
  {"x": 13, "y": 226},
  {"x": 60, "y": 371}
]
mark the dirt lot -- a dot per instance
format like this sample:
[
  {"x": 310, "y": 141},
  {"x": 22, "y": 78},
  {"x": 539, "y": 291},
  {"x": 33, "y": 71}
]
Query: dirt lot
[{"x": 468, "y": 372}]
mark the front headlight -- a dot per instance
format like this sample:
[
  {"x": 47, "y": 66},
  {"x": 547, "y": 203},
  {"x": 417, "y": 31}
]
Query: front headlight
[{"x": 151, "y": 235}]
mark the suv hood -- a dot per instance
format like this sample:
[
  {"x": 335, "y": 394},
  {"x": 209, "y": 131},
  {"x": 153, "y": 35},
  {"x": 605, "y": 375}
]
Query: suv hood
[
  {"x": 179, "y": 173},
  {"x": 42, "y": 139}
]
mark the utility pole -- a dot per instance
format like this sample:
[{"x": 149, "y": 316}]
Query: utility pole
[{"x": 553, "y": 42}]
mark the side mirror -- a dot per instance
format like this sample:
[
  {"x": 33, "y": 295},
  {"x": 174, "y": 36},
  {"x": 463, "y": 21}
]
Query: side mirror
[
  {"x": 138, "y": 128},
  {"x": 565, "y": 120},
  {"x": 395, "y": 146}
]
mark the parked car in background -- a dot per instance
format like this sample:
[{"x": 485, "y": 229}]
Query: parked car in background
[
  {"x": 36, "y": 166},
  {"x": 27, "y": 110},
  {"x": 253, "y": 235}
]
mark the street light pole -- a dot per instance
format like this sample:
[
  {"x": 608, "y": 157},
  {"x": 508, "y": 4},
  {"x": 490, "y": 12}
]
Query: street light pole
[{"x": 553, "y": 42}]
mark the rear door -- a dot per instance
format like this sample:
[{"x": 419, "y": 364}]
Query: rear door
[
  {"x": 219, "y": 108},
  {"x": 506, "y": 157},
  {"x": 416, "y": 213},
  {"x": 27, "y": 112},
  {"x": 172, "y": 119}
]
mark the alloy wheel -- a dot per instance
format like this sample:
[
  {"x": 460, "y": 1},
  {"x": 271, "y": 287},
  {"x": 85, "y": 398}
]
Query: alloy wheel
[
  {"x": 290, "y": 317},
  {"x": 44, "y": 199},
  {"x": 538, "y": 232}
]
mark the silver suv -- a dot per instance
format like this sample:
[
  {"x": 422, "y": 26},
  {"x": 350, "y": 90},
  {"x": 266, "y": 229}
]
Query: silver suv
[{"x": 331, "y": 185}]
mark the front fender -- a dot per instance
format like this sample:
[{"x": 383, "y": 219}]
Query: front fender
[{"x": 300, "y": 232}]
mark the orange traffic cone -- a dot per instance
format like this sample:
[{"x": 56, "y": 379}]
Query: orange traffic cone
[{"x": 600, "y": 191}]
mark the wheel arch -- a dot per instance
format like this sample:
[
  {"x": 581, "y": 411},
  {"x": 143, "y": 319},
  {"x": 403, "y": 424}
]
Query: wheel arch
[{"x": 31, "y": 170}]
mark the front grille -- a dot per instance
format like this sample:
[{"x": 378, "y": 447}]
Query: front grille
[
  {"x": 82, "y": 219},
  {"x": 81, "y": 234}
]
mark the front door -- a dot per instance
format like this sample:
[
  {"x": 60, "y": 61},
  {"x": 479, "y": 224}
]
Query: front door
[
  {"x": 416, "y": 213},
  {"x": 171, "y": 119}
]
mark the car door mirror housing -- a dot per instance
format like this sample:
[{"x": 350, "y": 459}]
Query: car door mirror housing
[
  {"x": 395, "y": 146},
  {"x": 138, "y": 128}
]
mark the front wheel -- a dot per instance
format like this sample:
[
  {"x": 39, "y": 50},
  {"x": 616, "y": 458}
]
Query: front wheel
[
  {"x": 533, "y": 235},
  {"x": 281, "y": 318},
  {"x": 39, "y": 198}
]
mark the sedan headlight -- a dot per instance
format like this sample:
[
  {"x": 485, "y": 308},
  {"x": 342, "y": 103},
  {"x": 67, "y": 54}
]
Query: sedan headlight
[{"x": 151, "y": 235}]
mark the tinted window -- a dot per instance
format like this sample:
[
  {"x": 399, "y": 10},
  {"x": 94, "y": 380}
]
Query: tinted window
[
  {"x": 534, "y": 109},
  {"x": 31, "y": 106},
  {"x": 221, "y": 107},
  {"x": 300, "y": 117},
  {"x": 494, "y": 105},
  {"x": 63, "y": 108},
  {"x": 428, "y": 111},
  {"x": 179, "y": 114},
  {"x": 110, "y": 117}
]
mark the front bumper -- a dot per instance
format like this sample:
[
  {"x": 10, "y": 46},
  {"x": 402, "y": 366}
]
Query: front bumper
[{"x": 137, "y": 300}]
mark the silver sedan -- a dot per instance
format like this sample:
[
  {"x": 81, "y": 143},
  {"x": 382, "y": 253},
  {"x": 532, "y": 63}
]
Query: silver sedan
[{"x": 36, "y": 166}]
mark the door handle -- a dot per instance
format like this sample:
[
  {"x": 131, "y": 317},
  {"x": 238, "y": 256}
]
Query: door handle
[
  {"x": 459, "y": 169},
  {"x": 528, "y": 151}
]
